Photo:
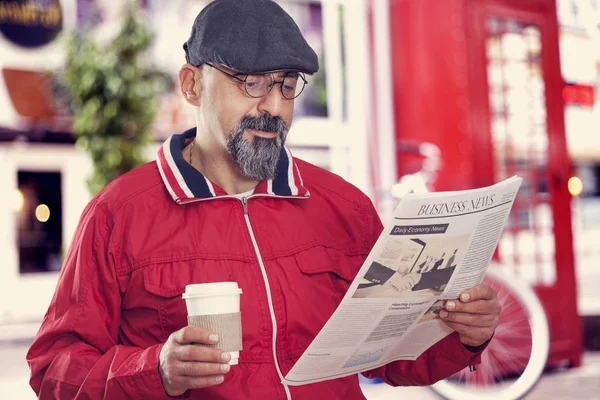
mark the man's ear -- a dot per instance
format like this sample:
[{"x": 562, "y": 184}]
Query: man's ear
[{"x": 190, "y": 82}]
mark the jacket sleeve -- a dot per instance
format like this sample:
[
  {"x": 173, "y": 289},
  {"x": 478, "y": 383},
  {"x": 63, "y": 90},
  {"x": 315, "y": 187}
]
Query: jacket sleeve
[
  {"x": 76, "y": 353},
  {"x": 441, "y": 360}
]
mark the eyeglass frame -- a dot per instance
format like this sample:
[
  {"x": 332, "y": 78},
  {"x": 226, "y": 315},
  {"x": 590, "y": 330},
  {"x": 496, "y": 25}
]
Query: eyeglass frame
[{"x": 280, "y": 83}]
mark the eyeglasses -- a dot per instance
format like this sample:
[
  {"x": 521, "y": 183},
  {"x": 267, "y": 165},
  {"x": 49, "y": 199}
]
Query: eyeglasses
[{"x": 259, "y": 85}]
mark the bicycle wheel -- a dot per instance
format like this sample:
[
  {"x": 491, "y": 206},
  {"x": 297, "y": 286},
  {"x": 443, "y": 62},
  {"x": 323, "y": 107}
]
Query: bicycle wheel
[{"x": 515, "y": 358}]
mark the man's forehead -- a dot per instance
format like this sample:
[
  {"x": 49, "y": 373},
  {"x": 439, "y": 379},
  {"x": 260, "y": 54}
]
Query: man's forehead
[{"x": 276, "y": 73}]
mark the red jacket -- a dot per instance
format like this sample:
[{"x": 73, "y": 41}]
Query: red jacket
[{"x": 163, "y": 226}]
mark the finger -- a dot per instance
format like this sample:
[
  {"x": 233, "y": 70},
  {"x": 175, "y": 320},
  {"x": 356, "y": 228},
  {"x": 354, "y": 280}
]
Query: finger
[
  {"x": 479, "y": 292},
  {"x": 194, "y": 352},
  {"x": 197, "y": 369},
  {"x": 474, "y": 307},
  {"x": 469, "y": 335},
  {"x": 195, "y": 334},
  {"x": 475, "y": 320},
  {"x": 203, "y": 381}
]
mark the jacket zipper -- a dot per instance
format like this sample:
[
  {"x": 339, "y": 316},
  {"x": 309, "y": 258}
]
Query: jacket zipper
[{"x": 269, "y": 298}]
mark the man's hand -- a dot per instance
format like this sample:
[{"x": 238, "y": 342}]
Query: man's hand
[
  {"x": 186, "y": 364},
  {"x": 474, "y": 316}
]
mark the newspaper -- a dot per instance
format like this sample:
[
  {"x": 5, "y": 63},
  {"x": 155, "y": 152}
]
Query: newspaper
[{"x": 435, "y": 246}]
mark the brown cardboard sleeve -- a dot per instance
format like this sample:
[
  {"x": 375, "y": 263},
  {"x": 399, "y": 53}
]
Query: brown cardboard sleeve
[{"x": 227, "y": 326}]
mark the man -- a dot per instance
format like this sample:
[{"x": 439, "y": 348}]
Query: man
[{"x": 225, "y": 201}]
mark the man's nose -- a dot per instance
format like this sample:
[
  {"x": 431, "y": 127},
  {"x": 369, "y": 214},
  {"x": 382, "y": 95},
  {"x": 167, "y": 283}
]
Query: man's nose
[{"x": 273, "y": 102}]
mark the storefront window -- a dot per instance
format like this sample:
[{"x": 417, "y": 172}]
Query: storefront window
[
  {"x": 38, "y": 209},
  {"x": 520, "y": 138},
  {"x": 309, "y": 17}
]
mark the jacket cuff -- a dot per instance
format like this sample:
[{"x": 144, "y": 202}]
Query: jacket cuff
[
  {"x": 467, "y": 355},
  {"x": 476, "y": 349},
  {"x": 148, "y": 383}
]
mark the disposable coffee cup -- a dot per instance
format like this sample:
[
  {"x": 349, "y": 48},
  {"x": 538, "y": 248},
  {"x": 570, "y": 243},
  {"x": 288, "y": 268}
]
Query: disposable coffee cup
[{"x": 216, "y": 307}]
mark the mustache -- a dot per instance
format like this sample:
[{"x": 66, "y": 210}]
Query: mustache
[{"x": 264, "y": 123}]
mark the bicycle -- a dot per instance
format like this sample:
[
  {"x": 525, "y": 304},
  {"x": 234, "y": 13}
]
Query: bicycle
[{"x": 515, "y": 359}]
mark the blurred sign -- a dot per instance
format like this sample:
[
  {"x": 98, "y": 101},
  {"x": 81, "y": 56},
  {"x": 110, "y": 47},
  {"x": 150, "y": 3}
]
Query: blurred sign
[
  {"x": 30, "y": 23},
  {"x": 580, "y": 95}
]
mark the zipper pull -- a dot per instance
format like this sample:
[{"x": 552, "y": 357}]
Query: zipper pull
[{"x": 245, "y": 205}]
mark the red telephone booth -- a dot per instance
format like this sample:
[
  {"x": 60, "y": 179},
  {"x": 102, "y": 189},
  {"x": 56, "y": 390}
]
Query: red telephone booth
[{"x": 481, "y": 80}]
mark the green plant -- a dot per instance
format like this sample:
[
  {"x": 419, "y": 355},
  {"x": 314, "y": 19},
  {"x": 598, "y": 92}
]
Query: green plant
[{"x": 112, "y": 96}]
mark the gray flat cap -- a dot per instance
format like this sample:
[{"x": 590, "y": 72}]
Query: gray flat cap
[{"x": 249, "y": 36}]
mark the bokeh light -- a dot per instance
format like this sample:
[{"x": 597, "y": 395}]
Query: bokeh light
[
  {"x": 42, "y": 213},
  {"x": 17, "y": 200},
  {"x": 575, "y": 186}
]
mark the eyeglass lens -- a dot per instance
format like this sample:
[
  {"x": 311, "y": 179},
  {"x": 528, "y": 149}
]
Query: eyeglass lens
[{"x": 259, "y": 85}]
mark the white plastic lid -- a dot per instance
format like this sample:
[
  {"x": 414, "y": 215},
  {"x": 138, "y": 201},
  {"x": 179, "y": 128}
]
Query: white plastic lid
[{"x": 211, "y": 289}]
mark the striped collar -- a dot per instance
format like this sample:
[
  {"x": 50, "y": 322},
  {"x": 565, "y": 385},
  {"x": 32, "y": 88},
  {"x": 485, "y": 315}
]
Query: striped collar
[{"x": 186, "y": 184}]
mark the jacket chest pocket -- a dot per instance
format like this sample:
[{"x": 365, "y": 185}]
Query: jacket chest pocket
[
  {"x": 313, "y": 282},
  {"x": 166, "y": 282},
  {"x": 331, "y": 269}
]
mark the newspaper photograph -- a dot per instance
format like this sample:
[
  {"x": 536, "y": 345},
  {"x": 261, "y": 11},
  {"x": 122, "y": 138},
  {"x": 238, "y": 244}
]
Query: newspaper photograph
[{"x": 435, "y": 246}]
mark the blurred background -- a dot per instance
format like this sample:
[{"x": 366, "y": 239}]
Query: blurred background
[{"x": 465, "y": 92}]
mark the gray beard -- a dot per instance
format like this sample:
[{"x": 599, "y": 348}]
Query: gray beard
[{"x": 257, "y": 160}]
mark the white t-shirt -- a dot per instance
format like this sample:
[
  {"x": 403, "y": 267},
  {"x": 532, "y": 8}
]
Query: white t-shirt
[{"x": 245, "y": 194}]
